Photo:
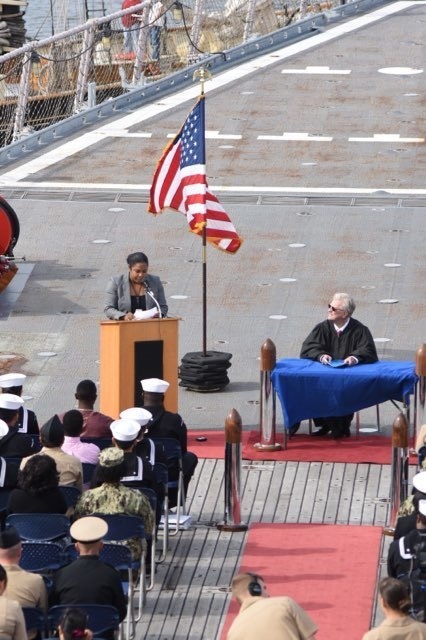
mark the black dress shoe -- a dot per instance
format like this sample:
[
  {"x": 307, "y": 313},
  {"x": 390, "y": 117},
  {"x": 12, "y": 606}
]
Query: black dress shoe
[
  {"x": 337, "y": 435},
  {"x": 294, "y": 428},
  {"x": 347, "y": 433},
  {"x": 321, "y": 432}
]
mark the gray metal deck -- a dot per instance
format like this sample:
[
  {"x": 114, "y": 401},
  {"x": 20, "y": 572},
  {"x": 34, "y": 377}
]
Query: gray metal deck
[{"x": 316, "y": 216}]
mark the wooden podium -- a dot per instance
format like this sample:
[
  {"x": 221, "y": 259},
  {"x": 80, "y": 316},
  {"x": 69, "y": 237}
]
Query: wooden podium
[{"x": 131, "y": 352}]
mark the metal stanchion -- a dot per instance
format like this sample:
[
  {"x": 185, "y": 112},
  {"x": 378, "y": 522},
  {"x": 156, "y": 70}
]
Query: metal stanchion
[
  {"x": 420, "y": 391},
  {"x": 399, "y": 470},
  {"x": 268, "y": 358},
  {"x": 233, "y": 433}
]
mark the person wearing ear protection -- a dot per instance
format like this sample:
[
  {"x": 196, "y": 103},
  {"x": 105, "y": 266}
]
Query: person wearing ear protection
[{"x": 281, "y": 616}]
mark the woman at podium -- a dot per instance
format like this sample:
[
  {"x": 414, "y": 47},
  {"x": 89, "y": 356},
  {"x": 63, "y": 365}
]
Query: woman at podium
[{"x": 136, "y": 294}]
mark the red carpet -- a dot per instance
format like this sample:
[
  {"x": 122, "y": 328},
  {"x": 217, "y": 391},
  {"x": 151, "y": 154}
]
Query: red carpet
[
  {"x": 301, "y": 448},
  {"x": 314, "y": 565}
]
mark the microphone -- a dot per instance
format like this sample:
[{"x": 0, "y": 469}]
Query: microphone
[{"x": 151, "y": 295}]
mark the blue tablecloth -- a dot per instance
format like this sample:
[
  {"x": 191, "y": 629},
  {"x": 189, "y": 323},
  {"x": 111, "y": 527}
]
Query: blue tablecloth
[{"x": 309, "y": 389}]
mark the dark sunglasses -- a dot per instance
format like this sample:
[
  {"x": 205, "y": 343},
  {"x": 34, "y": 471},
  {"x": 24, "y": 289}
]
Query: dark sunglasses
[{"x": 334, "y": 308}]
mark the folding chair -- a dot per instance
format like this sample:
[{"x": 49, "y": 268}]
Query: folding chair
[
  {"x": 150, "y": 537},
  {"x": 40, "y": 527},
  {"x": 88, "y": 469},
  {"x": 173, "y": 453},
  {"x": 162, "y": 477},
  {"x": 71, "y": 494},
  {"x": 101, "y": 617},
  {"x": 35, "y": 620},
  {"x": 120, "y": 557},
  {"x": 121, "y": 527},
  {"x": 40, "y": 557}
]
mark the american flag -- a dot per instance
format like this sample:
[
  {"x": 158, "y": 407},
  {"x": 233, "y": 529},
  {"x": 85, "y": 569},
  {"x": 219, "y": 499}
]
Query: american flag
[{"x": 180, "y": 183}]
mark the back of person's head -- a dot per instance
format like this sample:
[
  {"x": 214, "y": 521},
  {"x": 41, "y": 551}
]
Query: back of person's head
[
  {"x": 38, "y": 475},
  {"x": 417, "y": 496},
  {"x": 73, "y": 423},
  {"x": 136, "y": 258},
  {"x": 10, "y": 546},
  {"x": 395, "y": 595},
  {"x": 52, "y": 433},
  {"x": 86, "y": 390},
  {"x": 111, "y": 466},
  {"x": 73, "y": 625},
  {"x": 246, "y": 584},
  {"x": 347, "y": 301}
]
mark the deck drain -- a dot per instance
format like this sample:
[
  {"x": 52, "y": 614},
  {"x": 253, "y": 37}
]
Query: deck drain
[
  {"x": 255, "y": 466},
  {"x": 226, "y": 589}
]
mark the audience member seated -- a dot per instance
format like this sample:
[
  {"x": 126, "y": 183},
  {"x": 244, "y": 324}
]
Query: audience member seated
[
  {"x": 38, "y": 488},
  {"x": 403, "y": 561},
  {"x": 145, "y": 447},
  {"x": 27, "y": 421},
  {"x": 113, "y": 497},
  {"x": 72, "y": 422},
  {"x": 12, "y": 443},
  {"x": 165, "y": 424},
  {"x": 95, "y": 424},
  {"x": 73, "y": 625},
  {"x": 69, "y": 467},
  {"x": 408, "y": 510},
  {"x": 8, "y": 466},
  {"x": 395, "y": 603},
  {"x": 88, "y": 580},
  {"x": 26, "y": 588},
  {"x": 139, "y": 472},
  {"x": 12, "y": 623}
]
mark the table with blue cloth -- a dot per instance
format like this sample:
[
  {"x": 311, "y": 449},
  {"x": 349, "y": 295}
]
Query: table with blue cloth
[{"x": 309, "y": 389}]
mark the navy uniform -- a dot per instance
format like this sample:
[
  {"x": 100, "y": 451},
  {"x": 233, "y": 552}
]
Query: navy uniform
[
  {"x": 27, "y": 422},
  {"x": 88, "y": 580}
]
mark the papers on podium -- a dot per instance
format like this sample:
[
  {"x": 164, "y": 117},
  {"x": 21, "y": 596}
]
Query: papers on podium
[{"x": 144, "y": 315}]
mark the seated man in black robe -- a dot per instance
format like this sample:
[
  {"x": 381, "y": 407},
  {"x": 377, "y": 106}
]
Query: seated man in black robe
[{"x": 340, "y": 337}]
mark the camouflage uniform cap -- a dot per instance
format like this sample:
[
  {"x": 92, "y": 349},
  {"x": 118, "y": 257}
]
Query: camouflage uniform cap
[{"x": 111, "y": 457}]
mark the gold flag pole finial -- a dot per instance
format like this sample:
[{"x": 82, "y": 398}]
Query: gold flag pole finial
[{"x": 202, "y": 74}]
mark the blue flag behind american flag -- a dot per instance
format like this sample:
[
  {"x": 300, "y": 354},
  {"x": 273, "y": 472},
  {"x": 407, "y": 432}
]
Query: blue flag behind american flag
[{"x": 180, "y": 183}]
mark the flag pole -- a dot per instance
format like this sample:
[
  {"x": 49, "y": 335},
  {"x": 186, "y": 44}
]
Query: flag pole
[
  {"x": 202, "y": 75},
  {"x": 205, "y": 289}
]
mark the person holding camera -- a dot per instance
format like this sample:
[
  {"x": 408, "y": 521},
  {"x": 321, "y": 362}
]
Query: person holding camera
[
  {"x": 280, "y": 617},
  {"x": 395, "y": 603},
  {"x": 407, "y": 562}
]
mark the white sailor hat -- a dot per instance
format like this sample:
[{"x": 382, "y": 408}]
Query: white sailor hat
[
  {"x": 88, "y": 529},
  {"x": 3, "y": 428},
  {"x": 125, "y": 430},
  {"x": 8, "y": 380},
  {"x": 155, "y": 385},
  {"x": 142, "y": 416},
  {"x": 10, "y": 401},
  {"x": 419, "y": 481}
]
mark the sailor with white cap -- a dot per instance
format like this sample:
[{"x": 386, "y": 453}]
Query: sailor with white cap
[
  {"x": 12, "y": 383},
  {"x": 165, "y": 424},
  {"x": 144, "y": 447},
  {"x": 12, "y": 443}
]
